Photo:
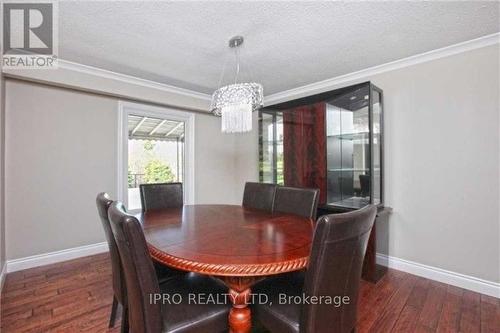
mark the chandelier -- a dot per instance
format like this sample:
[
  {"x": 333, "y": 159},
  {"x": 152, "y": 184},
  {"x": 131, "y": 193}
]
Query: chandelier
[{"x": 234, "y": 103}]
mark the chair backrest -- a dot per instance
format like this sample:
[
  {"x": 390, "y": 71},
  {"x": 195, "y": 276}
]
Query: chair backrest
[
  {"x": 259, "y": 196},
  {"x": 140, "y": 276},
  {"x": 335, "y": 266},
  {"x": 103, "y": 202},
  {"x": 161, "y": 196},
  {"x": 294, "y": 200}
]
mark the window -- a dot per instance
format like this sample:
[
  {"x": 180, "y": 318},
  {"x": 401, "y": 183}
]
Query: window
[
  {"x": 156, "y": 147},
  {"x": 155, "y": 153}
]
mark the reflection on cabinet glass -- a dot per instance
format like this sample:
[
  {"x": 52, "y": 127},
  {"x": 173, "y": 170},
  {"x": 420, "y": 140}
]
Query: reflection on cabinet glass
[
  {"x": 331, "y": 141},
  {"x": 271, "y": 147},
  {"x": 377, "y": 141},
  {"x": 348, "y": 149}
]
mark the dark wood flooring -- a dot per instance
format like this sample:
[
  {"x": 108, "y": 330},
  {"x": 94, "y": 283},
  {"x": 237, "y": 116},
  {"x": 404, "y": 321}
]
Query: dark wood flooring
[{"x": 75, "y": 296}]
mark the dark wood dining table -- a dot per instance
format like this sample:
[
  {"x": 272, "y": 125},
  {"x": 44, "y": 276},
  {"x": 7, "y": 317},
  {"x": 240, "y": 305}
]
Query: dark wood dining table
[{"x": 238, "y": 245}]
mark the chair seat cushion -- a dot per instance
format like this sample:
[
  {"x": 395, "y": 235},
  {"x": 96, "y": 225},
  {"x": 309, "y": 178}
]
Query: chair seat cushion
[
  {"x": 279, "y": 316},
  {"x": 190, "y": 315}
]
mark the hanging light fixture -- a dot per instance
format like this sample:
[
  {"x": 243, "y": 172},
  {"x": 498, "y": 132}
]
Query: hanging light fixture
[{"x": 235, "y": 103}]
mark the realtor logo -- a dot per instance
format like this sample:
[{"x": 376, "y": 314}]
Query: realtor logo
[{"x": 29, "y": 35}]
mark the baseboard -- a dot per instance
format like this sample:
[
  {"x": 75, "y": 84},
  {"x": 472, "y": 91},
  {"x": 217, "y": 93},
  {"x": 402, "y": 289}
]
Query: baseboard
[
  {"x": 437, "y": 274},
  {"x": 433, "y": 273},
  {"x": 55, "y": 257},
  {"x": 3, "y": 273}
]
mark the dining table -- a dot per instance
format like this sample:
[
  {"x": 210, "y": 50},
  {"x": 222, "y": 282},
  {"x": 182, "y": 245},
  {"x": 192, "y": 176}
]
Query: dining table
[{"x": 238, "y": 245}]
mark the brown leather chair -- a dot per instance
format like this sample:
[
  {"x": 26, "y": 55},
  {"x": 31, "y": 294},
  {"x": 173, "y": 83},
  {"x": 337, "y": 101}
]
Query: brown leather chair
[
  {"x": 147, "y": 316},
  {"x": 103, "y": 202},
  {"x": 335, "y": 265},
  {"x": 120, "y": 295},
  {"x": 161, "y": 196},
  {"x": 259, "y": 196},
  {"x": 294, "y": 200}
]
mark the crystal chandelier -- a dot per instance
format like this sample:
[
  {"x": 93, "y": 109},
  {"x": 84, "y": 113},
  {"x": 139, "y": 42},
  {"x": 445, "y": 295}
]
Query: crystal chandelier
[{"x": 235, "y": 103}]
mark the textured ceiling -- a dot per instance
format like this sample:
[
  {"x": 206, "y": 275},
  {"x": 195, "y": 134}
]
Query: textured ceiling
[{"x": 287, "y": 44}]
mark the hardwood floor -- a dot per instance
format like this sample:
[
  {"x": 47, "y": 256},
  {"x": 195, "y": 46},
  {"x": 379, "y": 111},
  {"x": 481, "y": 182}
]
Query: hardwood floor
[{"x": 75, "y": 296}]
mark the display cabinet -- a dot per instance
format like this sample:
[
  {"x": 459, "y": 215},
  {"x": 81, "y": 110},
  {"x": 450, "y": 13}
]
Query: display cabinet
[{"x": 332, "y": 141}]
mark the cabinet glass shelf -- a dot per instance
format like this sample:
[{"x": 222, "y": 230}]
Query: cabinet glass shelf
[
  {"x": 278, "y": 142},
  {"x": 348, "y": 170},
  {"x": 353, "y": 202},
  {"x": 351, "y": 136}
]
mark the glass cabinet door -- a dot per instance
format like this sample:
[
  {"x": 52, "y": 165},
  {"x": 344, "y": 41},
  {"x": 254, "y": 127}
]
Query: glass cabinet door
[
  {"x": 377, "y": 144},
  {"x": 348, "y": 149},
  {"x": 271, "y": 147}
]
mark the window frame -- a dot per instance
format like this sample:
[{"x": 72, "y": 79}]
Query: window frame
[{"x": 145, "y": 110}]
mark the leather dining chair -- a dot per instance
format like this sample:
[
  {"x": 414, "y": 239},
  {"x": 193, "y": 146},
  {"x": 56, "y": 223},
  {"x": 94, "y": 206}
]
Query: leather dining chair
[
  {"x": 259, "y": 196},
  {"x": 147, "y": 316},
  {"x": 161, "y": 196},
  {"x": 103, "y": 202},
  {"x": 335, "y": 265},
  {"x": 298, "y": 201}
]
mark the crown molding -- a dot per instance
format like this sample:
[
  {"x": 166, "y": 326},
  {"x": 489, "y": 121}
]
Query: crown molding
[
  {"x": 97, "y": 80},
  {"x": 104, "y": 73},
  {"x": 329, "y": 84},
  {"x": 93, "y": 79}
]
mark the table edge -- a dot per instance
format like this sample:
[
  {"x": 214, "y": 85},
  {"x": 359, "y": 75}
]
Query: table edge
[{"x": 228, "y": 269}]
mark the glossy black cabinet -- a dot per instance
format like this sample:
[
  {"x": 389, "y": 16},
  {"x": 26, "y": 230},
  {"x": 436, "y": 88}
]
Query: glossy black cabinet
[{"x": 332, "y": 141}]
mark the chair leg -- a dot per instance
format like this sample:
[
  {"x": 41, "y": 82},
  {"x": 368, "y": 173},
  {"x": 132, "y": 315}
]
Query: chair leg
[
  {"x": 124, "y": 328},
  {"x": 114, "y": 307}
]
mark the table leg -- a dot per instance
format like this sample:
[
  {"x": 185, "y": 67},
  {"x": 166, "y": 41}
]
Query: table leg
[{"x": 240, "y": 316}]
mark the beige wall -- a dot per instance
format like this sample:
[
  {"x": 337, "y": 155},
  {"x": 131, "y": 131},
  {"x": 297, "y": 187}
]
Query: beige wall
[
  {"x": 224, "y": 162},
  {"x": 247, "y": 158},
  {"x": 442, "y": 162},
  {"x": 61, "y": 151},
  {"x": 214, "y": 162}
]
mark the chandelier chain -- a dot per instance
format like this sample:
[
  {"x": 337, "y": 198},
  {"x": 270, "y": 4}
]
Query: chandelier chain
[
  {"x": 223, "y": 71},
  {"x": 237, "y": 54}
]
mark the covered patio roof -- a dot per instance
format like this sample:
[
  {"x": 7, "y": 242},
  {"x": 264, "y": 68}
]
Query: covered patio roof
[{"x": 146, "y": 128}]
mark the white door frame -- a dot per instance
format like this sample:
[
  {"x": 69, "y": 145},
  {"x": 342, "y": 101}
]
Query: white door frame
[{"x": 126, "y": 108}]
